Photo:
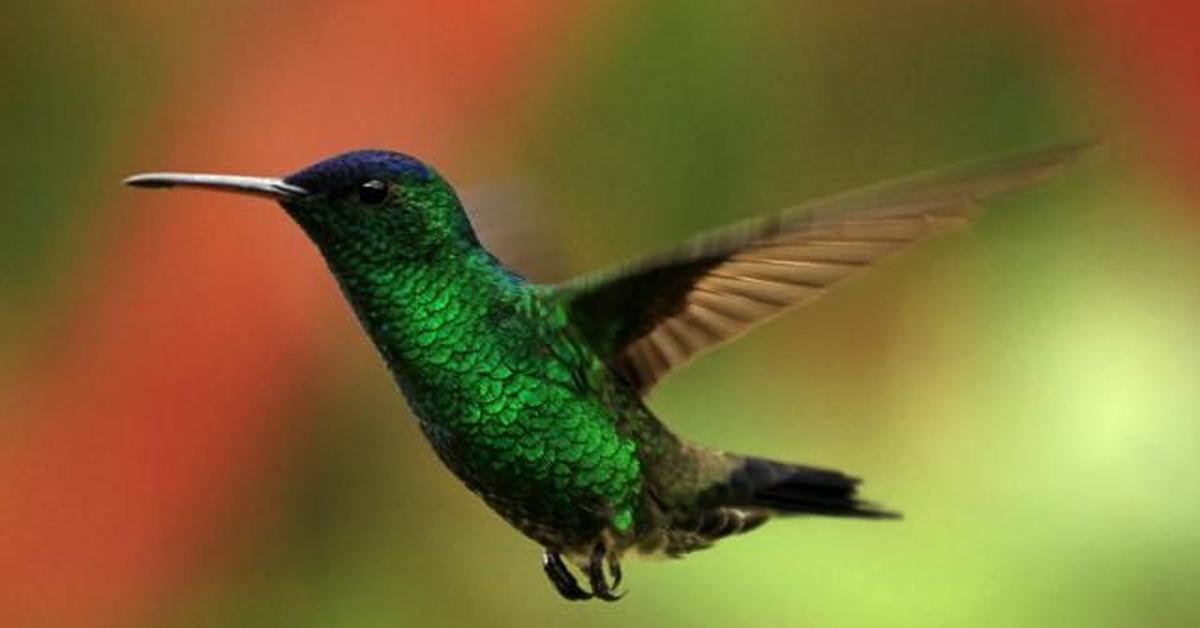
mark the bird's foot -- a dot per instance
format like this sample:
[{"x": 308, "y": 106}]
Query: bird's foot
[
  {"x": 568, "y": 587},
  {"x": 595, "y": 572},
  {"x": 614, "y": 568},
  {"x": 561, "y": 578}
]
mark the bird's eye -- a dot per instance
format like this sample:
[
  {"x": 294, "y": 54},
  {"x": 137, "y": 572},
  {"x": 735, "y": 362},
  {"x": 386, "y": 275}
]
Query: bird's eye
[{"x": 372, "y": 192}]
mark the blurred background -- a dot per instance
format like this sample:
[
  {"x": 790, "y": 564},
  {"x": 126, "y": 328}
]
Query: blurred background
[{"x": 193, "y": 431}]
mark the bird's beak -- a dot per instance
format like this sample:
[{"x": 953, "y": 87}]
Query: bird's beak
[{"x": 258, "y": 186}]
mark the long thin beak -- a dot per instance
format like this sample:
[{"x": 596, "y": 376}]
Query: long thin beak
[{"x": 257, "y": 186}]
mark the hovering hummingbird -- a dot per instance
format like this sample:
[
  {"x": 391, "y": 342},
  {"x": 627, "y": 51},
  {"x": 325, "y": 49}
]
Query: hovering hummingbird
[{"x": 533, "y": 395}]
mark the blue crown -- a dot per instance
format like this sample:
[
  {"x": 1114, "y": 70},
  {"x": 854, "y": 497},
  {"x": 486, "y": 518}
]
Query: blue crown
[{"x": 350, "y": 169}]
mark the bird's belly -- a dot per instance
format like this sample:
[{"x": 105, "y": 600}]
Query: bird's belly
[{"x": 554, "y": 467}]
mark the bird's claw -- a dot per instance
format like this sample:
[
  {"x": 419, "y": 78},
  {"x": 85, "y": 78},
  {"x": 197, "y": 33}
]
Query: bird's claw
[
  {"x": 568, "y": 587},
  {"x": 614, "y": 568},
  {"x": 561, "y": 578},
  {"x": 595, "y": 572}
]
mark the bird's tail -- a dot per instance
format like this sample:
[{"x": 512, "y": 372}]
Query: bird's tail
[{"x": 796, "y": 489}]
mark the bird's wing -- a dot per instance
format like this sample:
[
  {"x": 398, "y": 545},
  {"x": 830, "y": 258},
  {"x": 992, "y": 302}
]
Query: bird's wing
[
  {"x": 509, "y": 218},
  {"x": 654, "y": 315}
]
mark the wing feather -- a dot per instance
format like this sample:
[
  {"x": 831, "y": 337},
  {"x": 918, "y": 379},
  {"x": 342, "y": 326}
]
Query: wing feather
[{"x": 650, "y": 317}]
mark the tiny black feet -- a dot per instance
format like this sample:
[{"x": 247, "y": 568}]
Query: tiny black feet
[
  {"x": 561, "y": 578},
  {"x": 595, "y": 572},
  {"x": 568, "y": 587},
  {"x": 614, "y": 568}
]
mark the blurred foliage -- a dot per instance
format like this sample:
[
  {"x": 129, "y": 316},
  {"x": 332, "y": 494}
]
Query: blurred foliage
[
  {"x": 1020, "y": 392},
  {"x": 63, "y": 119},
  {"x": 1024, "y": 392}
]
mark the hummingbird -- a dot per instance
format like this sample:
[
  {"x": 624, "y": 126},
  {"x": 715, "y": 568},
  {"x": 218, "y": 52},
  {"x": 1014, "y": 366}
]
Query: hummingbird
[{"x": 534, "y": 395}]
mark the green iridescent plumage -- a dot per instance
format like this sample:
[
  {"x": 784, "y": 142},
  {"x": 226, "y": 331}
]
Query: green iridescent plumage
[
  {"x": 480, "y": 354},
  {"x": 533, "y": 395}
]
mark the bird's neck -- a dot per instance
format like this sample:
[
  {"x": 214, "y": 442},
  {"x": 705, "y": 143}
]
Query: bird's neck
[{"x": 425, "y": 316}]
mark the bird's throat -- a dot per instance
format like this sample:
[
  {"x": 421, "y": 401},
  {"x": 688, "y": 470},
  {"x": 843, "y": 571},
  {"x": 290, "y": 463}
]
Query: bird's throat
[{"x": 425, "y": 316}]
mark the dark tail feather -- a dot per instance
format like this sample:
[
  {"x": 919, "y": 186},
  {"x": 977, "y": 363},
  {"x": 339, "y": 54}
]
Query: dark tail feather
[{"x": 789, "y": 488}]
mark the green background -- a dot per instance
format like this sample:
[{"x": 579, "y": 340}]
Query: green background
[{"x": 1025, "y": 391}]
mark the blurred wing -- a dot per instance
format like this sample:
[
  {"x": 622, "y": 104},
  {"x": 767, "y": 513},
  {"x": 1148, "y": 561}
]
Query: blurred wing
[
  {"x": 650, "y": 317},
  {"x": 509, "y": 218}
]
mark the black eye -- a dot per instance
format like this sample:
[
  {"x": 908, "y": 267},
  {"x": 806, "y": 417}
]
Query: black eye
[{"x": 372, "y": 192}]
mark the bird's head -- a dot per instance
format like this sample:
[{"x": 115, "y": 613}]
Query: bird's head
[{"x": 367, "y": 199}]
